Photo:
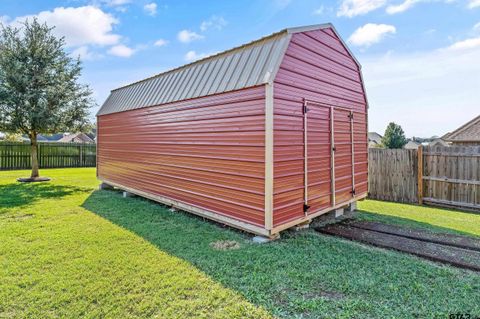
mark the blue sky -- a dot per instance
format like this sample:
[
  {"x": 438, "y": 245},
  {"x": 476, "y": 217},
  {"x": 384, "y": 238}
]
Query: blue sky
[{"x": 421, "y": 58}]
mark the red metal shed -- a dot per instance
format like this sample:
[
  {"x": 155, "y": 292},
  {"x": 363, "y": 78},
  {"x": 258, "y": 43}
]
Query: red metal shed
[{"x": 261, "y": 137}]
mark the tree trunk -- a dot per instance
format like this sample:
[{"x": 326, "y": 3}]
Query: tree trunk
[{"x": 33, "y": 155}]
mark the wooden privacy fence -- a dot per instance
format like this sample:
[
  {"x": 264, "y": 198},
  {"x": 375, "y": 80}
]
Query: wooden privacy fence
[
  {"x": 16, "y": 155},
  {"x": 441, "y": 175},
  {"x": 392, "y": 175},
  {"x": 451, "y": 176}
]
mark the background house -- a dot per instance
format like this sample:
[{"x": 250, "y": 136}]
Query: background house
[
  {"x": 467, "y": 134},
  {"x": 438, "y": 142},
  {"x": 412, "y": 145},
  {"x": 374, "y": 139},
  {"x": 76, "y": 138}
]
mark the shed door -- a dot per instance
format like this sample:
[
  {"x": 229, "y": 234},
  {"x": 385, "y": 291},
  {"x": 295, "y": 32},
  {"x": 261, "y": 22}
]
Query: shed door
[{"x": 328, "y": 158}]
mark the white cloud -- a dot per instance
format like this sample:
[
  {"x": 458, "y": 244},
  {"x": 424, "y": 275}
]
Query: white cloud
[
  {"x": 215, "y": 22},
  {"x": 192, "y": 56},
  {"x": 407, "y": 4},
  {"x": 150, "y": 8},
  {"x": 351, "y": 8},
  {"x": 187, "y": 36},
  {"x": 114, "y": 3},
  {"x": 428, "y": 93},
  {"x": 121, "y": 51},
  {"x": 160, "y": 43},
  {"x": 80, "y": 26},
  {"x": 319, "y": 11},
  {"x": 430, "y": 31},
  {"x": 473, "y": 4},
  {"x": 465, "y": 44},
  {"x": 370, "y": 33},
  {"x": 4, "y": 19},
  {"x": 476, "y": 27},
  {"x": 83, "y": 53}
]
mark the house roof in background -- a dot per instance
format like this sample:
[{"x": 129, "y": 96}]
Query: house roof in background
[
  {"x": 81, "y": 136},
  {"x": 411, "y": 144},
  {"x": 469, "y": 132},
  {"x": 375, "y": 137},
  {"x": 248, "y": 65}
]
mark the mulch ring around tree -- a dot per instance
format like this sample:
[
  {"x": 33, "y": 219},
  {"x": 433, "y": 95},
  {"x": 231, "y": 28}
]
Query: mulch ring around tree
[
  {"x": 33, "y": 180},
  {"x": 458, "y": 251}
]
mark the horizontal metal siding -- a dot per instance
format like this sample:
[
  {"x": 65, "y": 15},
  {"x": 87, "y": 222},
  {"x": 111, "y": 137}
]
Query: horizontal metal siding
[
  {"x": 316, "y": 67},
  {"x": 207, "y": 152}
]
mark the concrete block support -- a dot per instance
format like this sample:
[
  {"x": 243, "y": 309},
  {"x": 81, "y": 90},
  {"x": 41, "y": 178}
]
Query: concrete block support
[
  {"x": 105, "y": 186},
  {"x": 352, "y": 207},
  {"x": 339, "y": 212},
  {"x": 128, "y": 194},
  {"x": 264, "y": 239},
  {"x": 302, "y": 226}
]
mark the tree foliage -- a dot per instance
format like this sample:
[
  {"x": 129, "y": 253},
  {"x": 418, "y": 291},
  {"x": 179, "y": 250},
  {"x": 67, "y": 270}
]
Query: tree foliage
[
  {"x": 394, "y": 136},
  {"x": 13, "y": 137},
  {"x": 39, "y": 87}
]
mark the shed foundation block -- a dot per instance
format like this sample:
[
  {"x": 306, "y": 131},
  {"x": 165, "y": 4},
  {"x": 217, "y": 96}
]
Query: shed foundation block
[
  {"x": 339, "y": 212},
  {"x": 352, "y": 207},
  {"x": 264, "y": 239},
  {"x": 105, "y": 186},
  {"x": 304, "y": 225},
  {"x": 127, "y": 194}
]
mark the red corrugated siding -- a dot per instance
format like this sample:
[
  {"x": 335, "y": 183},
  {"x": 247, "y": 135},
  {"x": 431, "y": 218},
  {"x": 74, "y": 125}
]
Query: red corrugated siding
[
  {"x": 208, "y": 152},
  {"x": 317, "y": 67}
]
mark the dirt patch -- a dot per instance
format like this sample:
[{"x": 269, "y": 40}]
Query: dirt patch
[
  {"x": 419, "y": 234},
  {"x": 225, "y": 245},
  {"x": 333, "y": 295},
  {"x": 459, "y": 257}
]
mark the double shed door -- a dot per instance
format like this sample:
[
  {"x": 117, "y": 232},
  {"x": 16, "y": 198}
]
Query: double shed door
[{"x": 328, "y": 156}]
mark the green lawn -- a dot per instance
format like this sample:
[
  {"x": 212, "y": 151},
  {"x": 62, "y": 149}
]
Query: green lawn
[
  {"x": 431, "y": 218},
  {"x": 68, "y": 250}
]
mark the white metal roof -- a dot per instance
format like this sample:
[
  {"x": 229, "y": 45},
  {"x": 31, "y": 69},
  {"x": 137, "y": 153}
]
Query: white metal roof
[{"x": 249, "y": 65}]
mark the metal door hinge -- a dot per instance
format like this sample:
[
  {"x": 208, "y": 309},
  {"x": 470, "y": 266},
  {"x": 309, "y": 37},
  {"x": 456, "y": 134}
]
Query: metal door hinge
[
  {"x": 305, "y": 108},
  {"x": 334, "y": 148},
  {"x": 305, "y": 208},
  {"x": 350, "y": 116},
  {"x": 353, "y": 191}
]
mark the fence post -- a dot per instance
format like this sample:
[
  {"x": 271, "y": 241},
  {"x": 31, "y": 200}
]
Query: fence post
[
  {"x": 81, "y": 155},
  {"x": 39, "y": 155},
  {"x": 420, "y": 174}
]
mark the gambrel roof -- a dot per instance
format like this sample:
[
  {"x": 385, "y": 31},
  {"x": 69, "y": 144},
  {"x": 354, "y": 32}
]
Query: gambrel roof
[{"x": 245, "y": 66}]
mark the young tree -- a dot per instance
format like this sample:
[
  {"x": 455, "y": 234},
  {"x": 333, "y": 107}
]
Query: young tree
[
  {"x": 39, "y": 89},
  {"x": 394, "y": 136}
]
